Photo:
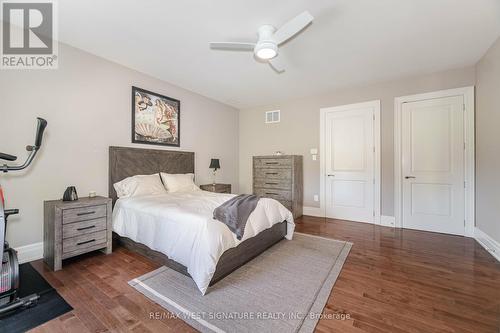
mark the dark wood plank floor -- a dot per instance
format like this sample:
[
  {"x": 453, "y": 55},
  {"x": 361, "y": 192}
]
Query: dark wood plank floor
[{"x": 393, "y": 281}]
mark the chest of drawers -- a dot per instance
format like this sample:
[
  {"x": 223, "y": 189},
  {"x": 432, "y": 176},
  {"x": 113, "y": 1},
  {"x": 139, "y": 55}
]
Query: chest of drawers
[
  {"x": 75, "y": 227},
  {"x": 280, "y": 178}
]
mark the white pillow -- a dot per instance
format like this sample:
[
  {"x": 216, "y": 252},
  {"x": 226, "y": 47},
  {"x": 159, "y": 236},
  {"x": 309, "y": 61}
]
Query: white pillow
[
  {"x": 139, "y": 185},
  {"x": 181, "y": 182}
]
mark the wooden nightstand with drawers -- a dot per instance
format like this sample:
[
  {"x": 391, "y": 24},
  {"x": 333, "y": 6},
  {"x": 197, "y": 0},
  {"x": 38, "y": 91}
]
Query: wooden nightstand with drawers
[
  {"x": 217, "y": 188},
  {"x": 72, "y": 228}
]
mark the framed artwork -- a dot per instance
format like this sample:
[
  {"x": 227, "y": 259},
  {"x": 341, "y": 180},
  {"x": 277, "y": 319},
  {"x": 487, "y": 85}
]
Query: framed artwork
[{"x": 155, "y": 118}]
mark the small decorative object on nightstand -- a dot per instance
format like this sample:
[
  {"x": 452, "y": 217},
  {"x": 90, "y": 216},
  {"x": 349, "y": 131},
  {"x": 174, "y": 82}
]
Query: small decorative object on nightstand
[
  {"x": 70, "y": 194},
  {"x": 217, "y": 188},
  {"x": 72, "y": 228},
  {"x": 214, "y": 164}
]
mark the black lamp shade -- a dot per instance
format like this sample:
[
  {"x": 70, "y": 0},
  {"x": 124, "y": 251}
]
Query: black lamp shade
[{"x": 214, "y": 164}]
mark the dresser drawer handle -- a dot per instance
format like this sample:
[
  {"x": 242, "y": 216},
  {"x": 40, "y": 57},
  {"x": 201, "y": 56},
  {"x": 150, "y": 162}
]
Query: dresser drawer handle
[
  {"x": 271, "y": 162},
  {"x": 89, "y": 241},
  {"x": 268, "y": 193},
  {"x": 271, "y": 173},
  {"x": 85, "y": 228},
  {"x": 85, "y": 213},
  {"x": 271, "y": 183}
]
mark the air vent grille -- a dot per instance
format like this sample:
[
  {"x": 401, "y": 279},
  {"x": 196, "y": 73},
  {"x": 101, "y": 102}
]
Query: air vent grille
[{"x": 273, "y": 117}]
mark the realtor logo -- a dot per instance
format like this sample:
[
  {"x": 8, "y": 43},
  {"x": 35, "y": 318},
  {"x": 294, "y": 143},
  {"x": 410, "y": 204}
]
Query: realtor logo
[{"x": 29, "y": 38}]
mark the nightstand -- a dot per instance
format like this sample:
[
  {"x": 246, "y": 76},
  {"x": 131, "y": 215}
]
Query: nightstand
[
  {"x": 217, "y": 188},
  {"x": 71, "y": 228}
]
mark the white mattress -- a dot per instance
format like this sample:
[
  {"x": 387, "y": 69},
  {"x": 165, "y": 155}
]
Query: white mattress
[{"x": 180, "y": 225}]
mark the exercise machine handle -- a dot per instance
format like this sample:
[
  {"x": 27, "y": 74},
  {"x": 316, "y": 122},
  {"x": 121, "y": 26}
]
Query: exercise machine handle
[
  {"x": 9, "y": 212},
  {"x": 7, "y": 157},
  {"x": 42, "y": 124}
]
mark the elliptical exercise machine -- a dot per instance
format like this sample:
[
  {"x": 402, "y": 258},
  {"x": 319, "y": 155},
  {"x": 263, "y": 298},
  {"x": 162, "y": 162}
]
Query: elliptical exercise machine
[{"x": 9, "y": 273}]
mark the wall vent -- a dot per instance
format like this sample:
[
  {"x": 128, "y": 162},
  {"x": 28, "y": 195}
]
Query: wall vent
[{"x": 273, "y": 117}]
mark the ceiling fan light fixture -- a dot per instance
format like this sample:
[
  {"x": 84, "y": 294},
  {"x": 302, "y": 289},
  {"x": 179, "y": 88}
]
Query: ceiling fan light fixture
[
  {"x": 269, "y": 38},
  {"x": 266, "y": 51}
]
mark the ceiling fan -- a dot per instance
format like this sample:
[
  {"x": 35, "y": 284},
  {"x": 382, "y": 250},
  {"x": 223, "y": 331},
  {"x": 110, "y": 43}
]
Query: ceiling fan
[{"x": 266, "y": 47}]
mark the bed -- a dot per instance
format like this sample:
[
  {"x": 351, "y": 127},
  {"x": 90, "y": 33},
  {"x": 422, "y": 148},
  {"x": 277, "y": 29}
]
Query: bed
[{"x": 176, "y": 230}]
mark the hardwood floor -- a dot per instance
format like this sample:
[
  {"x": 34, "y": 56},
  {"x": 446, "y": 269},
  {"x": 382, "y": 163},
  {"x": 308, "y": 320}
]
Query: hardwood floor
[{"x": 394, "y": 280}]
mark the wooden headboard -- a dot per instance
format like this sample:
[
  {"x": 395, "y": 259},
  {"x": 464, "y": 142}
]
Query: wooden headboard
[{"x": 125, "y": 162}]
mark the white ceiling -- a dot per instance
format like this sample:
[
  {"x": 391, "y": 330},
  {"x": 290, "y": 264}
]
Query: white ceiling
[{"x": 350, "y": 42}]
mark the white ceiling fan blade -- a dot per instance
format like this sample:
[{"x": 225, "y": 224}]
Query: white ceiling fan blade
[
  {"x": 232, "y": 46},
  {"x": 277, "y": 64},
  {"x": 292, "y": 27}
]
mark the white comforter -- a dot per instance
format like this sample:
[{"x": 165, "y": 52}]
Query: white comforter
[{"x": 180, "y": 225}]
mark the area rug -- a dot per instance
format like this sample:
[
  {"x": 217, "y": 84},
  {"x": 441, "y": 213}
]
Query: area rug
[{"x": 282, "y": 290}]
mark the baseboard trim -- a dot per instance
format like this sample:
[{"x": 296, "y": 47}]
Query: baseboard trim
[
  {"x": 313, "y": 211},
  {"x": 29, "y": 252},
  {"x": 489, "y": 244},
  {"x": 387, "y": 221}
]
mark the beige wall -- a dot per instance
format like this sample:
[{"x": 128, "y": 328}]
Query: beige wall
[
  {"x": 488, "y": 142},
  {"x": 87, "y": 103},
  {"x": 298, "y": 131}
]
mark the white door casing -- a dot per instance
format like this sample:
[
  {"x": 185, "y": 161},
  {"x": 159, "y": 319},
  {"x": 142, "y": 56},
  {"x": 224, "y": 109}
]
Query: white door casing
[
  {"x": 350, "y": 162},
  {"x": 434, "y": 147},
  {"x": 433, "y": 165}
]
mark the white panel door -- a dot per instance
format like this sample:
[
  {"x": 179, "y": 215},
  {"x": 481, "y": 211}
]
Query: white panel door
[
  {"x": 349, "y": 164},
  {"x": 433, "y": 165}
]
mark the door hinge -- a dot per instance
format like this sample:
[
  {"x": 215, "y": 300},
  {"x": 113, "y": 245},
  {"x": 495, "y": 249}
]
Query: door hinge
[
  {"x": 374, "y": 181},
  {"x": 463, "y": 107},
  {"x": 464, "y": 185},
  {"x": 464, "y": 146},
  {"x": 373, "y": 213},
  {"x": 373, "y": 149}
]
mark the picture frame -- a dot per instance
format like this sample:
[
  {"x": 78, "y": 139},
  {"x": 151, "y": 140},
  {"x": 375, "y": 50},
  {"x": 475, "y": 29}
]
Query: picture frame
[{"x": 155, "y": 118}]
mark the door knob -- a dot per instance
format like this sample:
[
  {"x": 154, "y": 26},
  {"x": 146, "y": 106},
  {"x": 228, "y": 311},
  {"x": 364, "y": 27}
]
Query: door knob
[{"x": 412, "y": 177}]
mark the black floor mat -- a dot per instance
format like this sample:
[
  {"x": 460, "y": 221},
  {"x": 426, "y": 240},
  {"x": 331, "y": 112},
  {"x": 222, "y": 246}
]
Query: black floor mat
[{"x": 50, "y": 305}]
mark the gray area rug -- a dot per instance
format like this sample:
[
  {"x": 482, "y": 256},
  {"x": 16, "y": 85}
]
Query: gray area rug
[{"x": 282, "y": 290}]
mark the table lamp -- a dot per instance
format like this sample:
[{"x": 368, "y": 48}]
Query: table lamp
[{"x": 214, "y": 164}]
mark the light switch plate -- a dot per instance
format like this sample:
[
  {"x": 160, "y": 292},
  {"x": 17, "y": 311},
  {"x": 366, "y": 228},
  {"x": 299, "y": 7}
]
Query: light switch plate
[
  {"x": 316, "y": 197},
  {"x": 314, "y": 151}
]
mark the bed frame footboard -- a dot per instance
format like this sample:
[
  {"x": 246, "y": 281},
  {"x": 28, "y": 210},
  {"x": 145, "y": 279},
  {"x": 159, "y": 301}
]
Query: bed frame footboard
[{"x": 230, "y": 260}]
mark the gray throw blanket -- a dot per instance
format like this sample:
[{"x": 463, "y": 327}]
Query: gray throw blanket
[{"x": 235, "y": 212}]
